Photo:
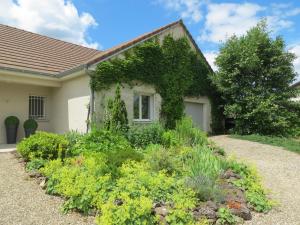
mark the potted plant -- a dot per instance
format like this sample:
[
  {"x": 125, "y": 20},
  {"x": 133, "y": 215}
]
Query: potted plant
[
  {"x": 30, "y": 127},
  {"x": 11, "y": 125}
]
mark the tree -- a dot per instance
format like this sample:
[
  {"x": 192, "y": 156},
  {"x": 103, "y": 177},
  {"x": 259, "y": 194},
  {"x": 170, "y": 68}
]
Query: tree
[
  {"x": 116, "y": 113},
  {"x": 254, "y": 77}
]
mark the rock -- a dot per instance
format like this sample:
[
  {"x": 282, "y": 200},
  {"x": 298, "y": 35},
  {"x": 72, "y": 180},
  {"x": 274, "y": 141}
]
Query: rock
[
  {"x": 118, "y": 202},
  {"x": 242, "y": 212},
  {"x": 205, "y": 212},
  {"x": 162, "y": 211},
  {"x": 234, "y": 195},
  {"x": 230, "y": 174},
  {"x": 34, "y": 174},
  {"x": 92, "y": 212},
  {"x": 212, "y": 205},
  {"x": 43, "y": 184}
]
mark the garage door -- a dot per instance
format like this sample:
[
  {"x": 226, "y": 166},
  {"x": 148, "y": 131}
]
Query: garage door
[{"x": 195, "y": 111}]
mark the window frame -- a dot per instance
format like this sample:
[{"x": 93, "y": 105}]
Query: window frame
[
  {"x": 151, "y": 107},
  {"x": 44, "y": 99}
]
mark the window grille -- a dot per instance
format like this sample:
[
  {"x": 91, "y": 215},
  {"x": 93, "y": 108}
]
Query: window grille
[{"x": 37, "y": 107}]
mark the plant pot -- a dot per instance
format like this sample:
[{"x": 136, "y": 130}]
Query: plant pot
[
  {"x": 11, "y": 133},
  {"x": 29, "y": 131}
]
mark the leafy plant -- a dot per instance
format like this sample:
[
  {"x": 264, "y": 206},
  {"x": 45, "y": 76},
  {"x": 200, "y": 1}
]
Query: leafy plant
[
  {"x": 142, "y": 135},
  {"x": 226, "y": 217},
  {"x": 251, "y": 183},
  {"x": 43, "y": 145},
  {"x": 204, "y": 171},
  {"x": 184, "y": 134},
  {"x": 30, "y": 124},
  {"x": 35, "y": 164}
]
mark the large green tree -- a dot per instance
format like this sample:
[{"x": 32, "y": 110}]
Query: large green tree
[{"x": 254, "y": 77}]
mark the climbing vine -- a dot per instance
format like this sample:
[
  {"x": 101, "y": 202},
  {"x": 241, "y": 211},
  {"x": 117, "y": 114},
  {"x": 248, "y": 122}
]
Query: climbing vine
[{"x": 172, "y": 68}]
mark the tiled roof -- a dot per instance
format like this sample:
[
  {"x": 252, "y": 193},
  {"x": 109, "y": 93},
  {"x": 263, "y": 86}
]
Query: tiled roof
[{"x": 24, "y": 50}]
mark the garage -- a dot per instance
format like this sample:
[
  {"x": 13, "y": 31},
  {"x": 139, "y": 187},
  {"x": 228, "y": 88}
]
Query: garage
[{"x": 196, "y": 112}]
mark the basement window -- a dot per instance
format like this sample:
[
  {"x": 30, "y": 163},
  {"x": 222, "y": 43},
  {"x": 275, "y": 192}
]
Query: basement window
[
  {"x": 142, "y": 107},
  {"x": 37, "y": 107}
]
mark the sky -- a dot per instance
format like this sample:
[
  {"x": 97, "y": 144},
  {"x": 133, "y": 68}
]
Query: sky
[{"x": 102, "y": 24}]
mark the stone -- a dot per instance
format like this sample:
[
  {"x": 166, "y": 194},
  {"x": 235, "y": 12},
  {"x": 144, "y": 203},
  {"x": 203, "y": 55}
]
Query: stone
[
  {"x": 118, "y": 202},
  {"x": 34, "y": 174},
  {"x": 43, "y": 184},
  {"x": 230, "y": 174},
  {"x": 243, "y": 211},
  {"x": 162, "y": 211},
  {"x": 205, "y": 212}
]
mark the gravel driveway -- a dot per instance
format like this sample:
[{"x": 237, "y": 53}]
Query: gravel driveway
[
  {"x": 280, "y": 170},
  {"x": 23, "y": 202}
]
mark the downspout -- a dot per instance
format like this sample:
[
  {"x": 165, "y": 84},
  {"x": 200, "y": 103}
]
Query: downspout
[{"x": 91, "y": 106}]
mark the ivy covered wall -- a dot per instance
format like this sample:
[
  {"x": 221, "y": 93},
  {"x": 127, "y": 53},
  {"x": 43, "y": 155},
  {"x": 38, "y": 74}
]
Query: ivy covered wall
[{"x": 172, "y": 67}]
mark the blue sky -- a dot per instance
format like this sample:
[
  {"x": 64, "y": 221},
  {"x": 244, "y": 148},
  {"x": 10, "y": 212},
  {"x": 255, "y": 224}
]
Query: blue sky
[{"x": 105, "y": 23}]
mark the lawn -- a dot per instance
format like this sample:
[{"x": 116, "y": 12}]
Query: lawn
[
  {"x": 146, "y": 175},
  {"x": 291, "y": 144}
]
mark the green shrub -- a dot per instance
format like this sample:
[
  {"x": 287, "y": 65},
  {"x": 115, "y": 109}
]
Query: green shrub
[
  {"x": 73, "y": 137},
  {"x": 137, "y": 189},
  {"x": 142, "y": 135},
  {"x": 11, "y": 120},
  {"x": 35, "y": 164},
  {"x": 185, "y": 134},
  {"x": 226, "y": 217},
  {"x": 115, "y": 146},
  {"x": 160, "y": 158},
  {"x": 30, "y": 124},
  {"x": 204, "y": 171},
  {"x": 43, "y": 145},
  {"x": 82, "y": 180}
]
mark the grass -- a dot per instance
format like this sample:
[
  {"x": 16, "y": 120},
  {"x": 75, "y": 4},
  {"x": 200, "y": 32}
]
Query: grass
[{"x": 291, "y": 144}]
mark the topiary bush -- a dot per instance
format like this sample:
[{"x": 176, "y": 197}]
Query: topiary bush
[
  {"x": 30, "y": 124},
  {"x": 43, "y": 145},
  {"x": 11, "y": 120},
  {"x": 142, "y": 135}
]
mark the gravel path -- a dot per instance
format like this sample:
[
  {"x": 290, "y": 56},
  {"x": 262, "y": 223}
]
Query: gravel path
[
  {"x": 280, "y": 170},
  {"x": 23, "y": 202}
]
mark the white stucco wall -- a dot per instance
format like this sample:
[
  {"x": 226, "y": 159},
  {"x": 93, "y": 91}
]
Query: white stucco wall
[
  {"x": 127, "y": 94},
  {"x": 70, "y": 105},
  {"x": 14, "y": 101}
]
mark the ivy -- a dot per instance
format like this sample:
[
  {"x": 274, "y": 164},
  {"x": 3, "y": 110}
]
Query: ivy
[{"x": 173, "y": 68}]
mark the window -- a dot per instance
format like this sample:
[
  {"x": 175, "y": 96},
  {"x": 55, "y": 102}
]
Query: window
[
  {"x": 37, "y": 107},
  {"x": 142, "y": 107}
]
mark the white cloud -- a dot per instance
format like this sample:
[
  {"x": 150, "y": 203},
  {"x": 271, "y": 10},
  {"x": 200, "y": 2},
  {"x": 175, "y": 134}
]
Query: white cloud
[
  {"x": 211, "y": 57},
  {"x": 54, "y": 18},
  {"x": 296, "y": 50},
  {"x": 225, "y": 19},
  {"x": 188, "y": 9}
]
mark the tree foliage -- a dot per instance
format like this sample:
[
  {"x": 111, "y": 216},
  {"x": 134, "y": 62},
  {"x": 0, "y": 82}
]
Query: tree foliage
[
  {"x": 172, "y": 67},
  {"x": 254, "y": 77}
]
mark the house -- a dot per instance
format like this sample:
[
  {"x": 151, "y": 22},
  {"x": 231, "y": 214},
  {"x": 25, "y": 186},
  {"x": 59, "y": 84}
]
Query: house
[
  {"x": 48, "y": 80},
  {"x": 297, "y": 86}
]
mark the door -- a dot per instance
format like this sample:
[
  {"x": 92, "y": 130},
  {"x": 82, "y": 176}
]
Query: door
[{"x": 195, "y": 111}]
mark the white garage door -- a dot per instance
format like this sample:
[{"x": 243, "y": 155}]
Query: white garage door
[{"x": 195, "y": 111}]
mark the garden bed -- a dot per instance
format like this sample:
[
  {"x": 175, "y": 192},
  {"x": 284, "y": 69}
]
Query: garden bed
[{"x": 147, "y": 175}]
